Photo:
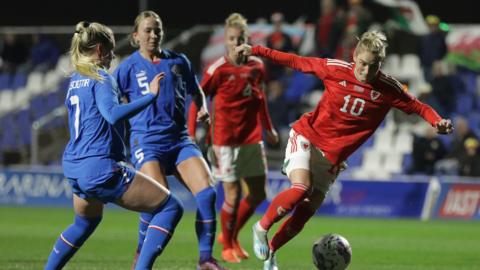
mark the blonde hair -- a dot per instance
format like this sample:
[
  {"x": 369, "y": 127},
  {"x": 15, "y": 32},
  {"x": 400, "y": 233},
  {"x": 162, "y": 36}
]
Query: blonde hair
[
  {"x": 87, "y": 36},
  {"x": 140, "y": 17},
  {"x": 374, "y": 42},
  {"x": 237, "y": 20}
]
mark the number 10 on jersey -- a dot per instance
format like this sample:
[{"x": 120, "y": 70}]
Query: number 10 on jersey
[{"x": 356, "y": 107}]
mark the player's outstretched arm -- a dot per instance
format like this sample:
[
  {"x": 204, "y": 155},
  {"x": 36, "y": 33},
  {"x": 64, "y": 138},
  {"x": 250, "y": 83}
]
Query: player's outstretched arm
[
  {"x": 301, "y": 63},
  {"x": 113, "y": 112}
]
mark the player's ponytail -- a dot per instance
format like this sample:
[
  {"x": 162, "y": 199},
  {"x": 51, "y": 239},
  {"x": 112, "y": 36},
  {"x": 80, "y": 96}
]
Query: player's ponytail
[
  {"x": 374, "y": 42},
  {"x": 237, "y": 20},
  {"x": 86, "y": 37}
]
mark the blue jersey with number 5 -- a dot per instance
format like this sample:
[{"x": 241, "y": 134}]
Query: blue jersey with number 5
[{"x": 164, "y": 122}]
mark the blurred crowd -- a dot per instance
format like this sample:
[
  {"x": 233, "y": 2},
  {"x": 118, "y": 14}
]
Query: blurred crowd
[{"x": 36, "y": 52}]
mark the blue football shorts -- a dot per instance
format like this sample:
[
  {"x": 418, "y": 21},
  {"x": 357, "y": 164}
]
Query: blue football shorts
[
  {"x": 169, "y": 156},
  {"x": 106, "y": 187}
]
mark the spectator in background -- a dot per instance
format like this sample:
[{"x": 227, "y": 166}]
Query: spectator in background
[
  {"x": 44, "y": 53},
  {"x": 442, "y": 87},
  {"x": 427, "y": 150},
  {"x": 278, "y": 76},
  {"x": 358, "y": 16},
  {"x": 425, "y": 95},
  {"x": 14, "y": 53},
  {"x": 470, "y": 160},
  {"x": 329, "y": 28},
  {"x": 357, "y": 21},
  {"x": 278, "y": 40},
  {"x": 461, "y": 133},
  {"x": 433, "y": 46}
]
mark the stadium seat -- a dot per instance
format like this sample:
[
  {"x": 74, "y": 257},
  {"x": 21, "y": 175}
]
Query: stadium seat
[
  {"x": 5, "y": 79},
  {"x": 474, "y": 120},
  {"x": 35, "y": 82},
  {"x": 52, "y": 80},
  {"x": 355, "y": 160},
  {"x": 393, "y": 162},
  {"x": 24, "y": 126},
  {"x": 410, "y": 67},
  {"x": 19, "y": 80},
  {"x": 6, "y": 98},
  {"x": 383, "y": 140},
  {"x": 464, "y": 104},
  {"x": 403, "y": 142},
  {"x": 63, "y": 65},
  {"x": 392, "y": 64},
  {"x": 372, "y": 160}
]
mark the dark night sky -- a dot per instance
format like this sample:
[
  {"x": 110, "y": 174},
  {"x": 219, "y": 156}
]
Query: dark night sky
[{"x": 174, "y": 13}]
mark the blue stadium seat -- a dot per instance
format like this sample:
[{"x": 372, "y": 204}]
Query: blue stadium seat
[
  {"x": 407, "y": 162},
  {"x": 474, "y": 120},
  {"x": 9, "y": 139},
  {"x": 465, "y": 103},
  {"x": 355, "y": 160},
  {"x": 19, "y": 80},
  {"x": 24, "y": 124},
  {"x": 5, "y": 79}
]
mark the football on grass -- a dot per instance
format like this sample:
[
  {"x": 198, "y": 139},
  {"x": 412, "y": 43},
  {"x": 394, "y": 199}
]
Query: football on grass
[{"x": 332, "y": 252}]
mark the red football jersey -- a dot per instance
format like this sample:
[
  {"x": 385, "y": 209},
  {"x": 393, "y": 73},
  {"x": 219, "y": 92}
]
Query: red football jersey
[
  {"x": 239, "y": 109},
  {"x": 349, "y": 110}
]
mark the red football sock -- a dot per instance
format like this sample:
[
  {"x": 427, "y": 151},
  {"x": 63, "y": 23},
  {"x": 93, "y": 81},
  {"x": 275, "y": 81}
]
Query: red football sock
[
  {"x": 292, "y": 226},
  {"x": 282, "y": 204},
  {"x": 227, "y": 220},
  {"x": 245, "y": 211}
]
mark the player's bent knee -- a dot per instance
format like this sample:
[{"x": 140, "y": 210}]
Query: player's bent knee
[
  {"x": 171, "y": 204},
  {"x": 86, "y": 226}
]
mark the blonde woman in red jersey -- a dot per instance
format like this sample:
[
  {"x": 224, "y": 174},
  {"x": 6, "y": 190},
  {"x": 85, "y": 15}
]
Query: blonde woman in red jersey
[
  {"x": 239, "y": 115},
  {"x": 357, "y": 98}
]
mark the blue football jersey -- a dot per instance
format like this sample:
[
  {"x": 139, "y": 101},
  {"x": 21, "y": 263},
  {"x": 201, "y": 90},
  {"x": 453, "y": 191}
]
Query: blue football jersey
[
  {"x": 164, "y": 122},
  {"x": 96, "y": 126}
]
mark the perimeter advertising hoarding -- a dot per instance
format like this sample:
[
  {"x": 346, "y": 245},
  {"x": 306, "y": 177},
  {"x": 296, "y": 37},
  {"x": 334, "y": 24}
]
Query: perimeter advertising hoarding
[
  {"x": 385, "y": 199},
  {"x": 458, "y": 201}
]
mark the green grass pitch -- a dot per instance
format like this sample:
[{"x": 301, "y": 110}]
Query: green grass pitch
[{"x": 27, "y": 235}]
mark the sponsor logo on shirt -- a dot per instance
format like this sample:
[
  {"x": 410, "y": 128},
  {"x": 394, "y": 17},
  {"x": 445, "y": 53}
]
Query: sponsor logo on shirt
[
  {"x": 358, "y": 89},
  {"x": 231, "y": 78}
]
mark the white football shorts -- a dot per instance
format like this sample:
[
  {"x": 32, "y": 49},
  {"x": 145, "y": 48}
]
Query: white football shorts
[
  {"x": 230, "y": 163},
  {"x": 301, "y": 154}
]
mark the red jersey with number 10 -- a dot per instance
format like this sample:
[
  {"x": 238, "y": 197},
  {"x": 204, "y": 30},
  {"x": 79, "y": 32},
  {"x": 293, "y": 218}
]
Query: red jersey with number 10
[
  {"x": 349, "y": 110},
  {"x": 239, "y": 110}
]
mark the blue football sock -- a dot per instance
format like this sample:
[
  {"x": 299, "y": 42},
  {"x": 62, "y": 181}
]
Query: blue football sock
[
  {"x": 145, "y": 219},
  {"x": 206, "y": 223},
  {"x": 159, "y": 232},
  {"x": 70, "y": 241}
]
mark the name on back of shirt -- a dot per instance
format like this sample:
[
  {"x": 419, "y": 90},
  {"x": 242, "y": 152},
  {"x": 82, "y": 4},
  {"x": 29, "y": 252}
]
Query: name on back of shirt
[{"x": 79, "y": 84}]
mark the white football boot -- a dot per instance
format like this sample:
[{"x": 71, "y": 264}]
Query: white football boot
[
  {"x": 260, "y": 242},
  {"x": 271, "y": 262}
]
